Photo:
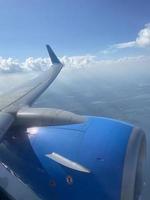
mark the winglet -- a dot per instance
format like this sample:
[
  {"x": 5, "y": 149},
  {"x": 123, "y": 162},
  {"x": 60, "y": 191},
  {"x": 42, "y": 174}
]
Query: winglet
[{"x": 52, "y": 55}]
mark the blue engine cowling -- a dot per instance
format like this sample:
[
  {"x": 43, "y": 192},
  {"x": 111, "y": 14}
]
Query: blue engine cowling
[{"x": 112, "y": 151}]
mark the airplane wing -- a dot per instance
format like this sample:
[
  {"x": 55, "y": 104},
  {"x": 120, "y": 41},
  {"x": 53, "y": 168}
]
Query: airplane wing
[
  {"x": 15, "y": 107},
  {"x": 27, "y": 93}
]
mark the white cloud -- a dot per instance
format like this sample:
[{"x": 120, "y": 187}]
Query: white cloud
[
  {"x": 142, "y": 40},
  {"x": 125, "y": 45},
  {"x": 79, "y": 61},
  {"x": 9, "y": 65},
  {"x": 35, "y": 64},
  {"x": 88, "y": 61}
]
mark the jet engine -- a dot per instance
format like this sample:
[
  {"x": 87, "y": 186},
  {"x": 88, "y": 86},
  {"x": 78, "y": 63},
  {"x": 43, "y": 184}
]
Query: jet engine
[{"x": 98, "y": 159}]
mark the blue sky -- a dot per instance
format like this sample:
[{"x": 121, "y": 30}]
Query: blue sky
[{"x": 72, "y": 27}]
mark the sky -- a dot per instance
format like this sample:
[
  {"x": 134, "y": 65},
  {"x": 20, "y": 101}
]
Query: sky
[{"x": 81, "y": 31}]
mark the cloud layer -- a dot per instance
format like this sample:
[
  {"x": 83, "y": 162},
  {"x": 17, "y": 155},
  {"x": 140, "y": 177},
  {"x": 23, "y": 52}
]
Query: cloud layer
[
  {"x": 41, "y": 64},
  {"x": 9, "y": 65},
  {"x": 142, "y": 40}
]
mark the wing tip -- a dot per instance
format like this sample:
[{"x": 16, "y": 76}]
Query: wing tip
[{"x": 52, "y": 55}]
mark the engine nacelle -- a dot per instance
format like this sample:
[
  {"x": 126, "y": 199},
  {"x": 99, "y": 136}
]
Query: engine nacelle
[{"x": 98, "y": 159}]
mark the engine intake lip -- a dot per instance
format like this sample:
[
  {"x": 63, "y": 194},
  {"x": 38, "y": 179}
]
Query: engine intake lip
[{"x": 132, "y": 182}]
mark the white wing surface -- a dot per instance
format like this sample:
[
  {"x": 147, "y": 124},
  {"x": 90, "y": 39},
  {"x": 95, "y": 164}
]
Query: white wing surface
[{"x": 27, "y": 93}]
